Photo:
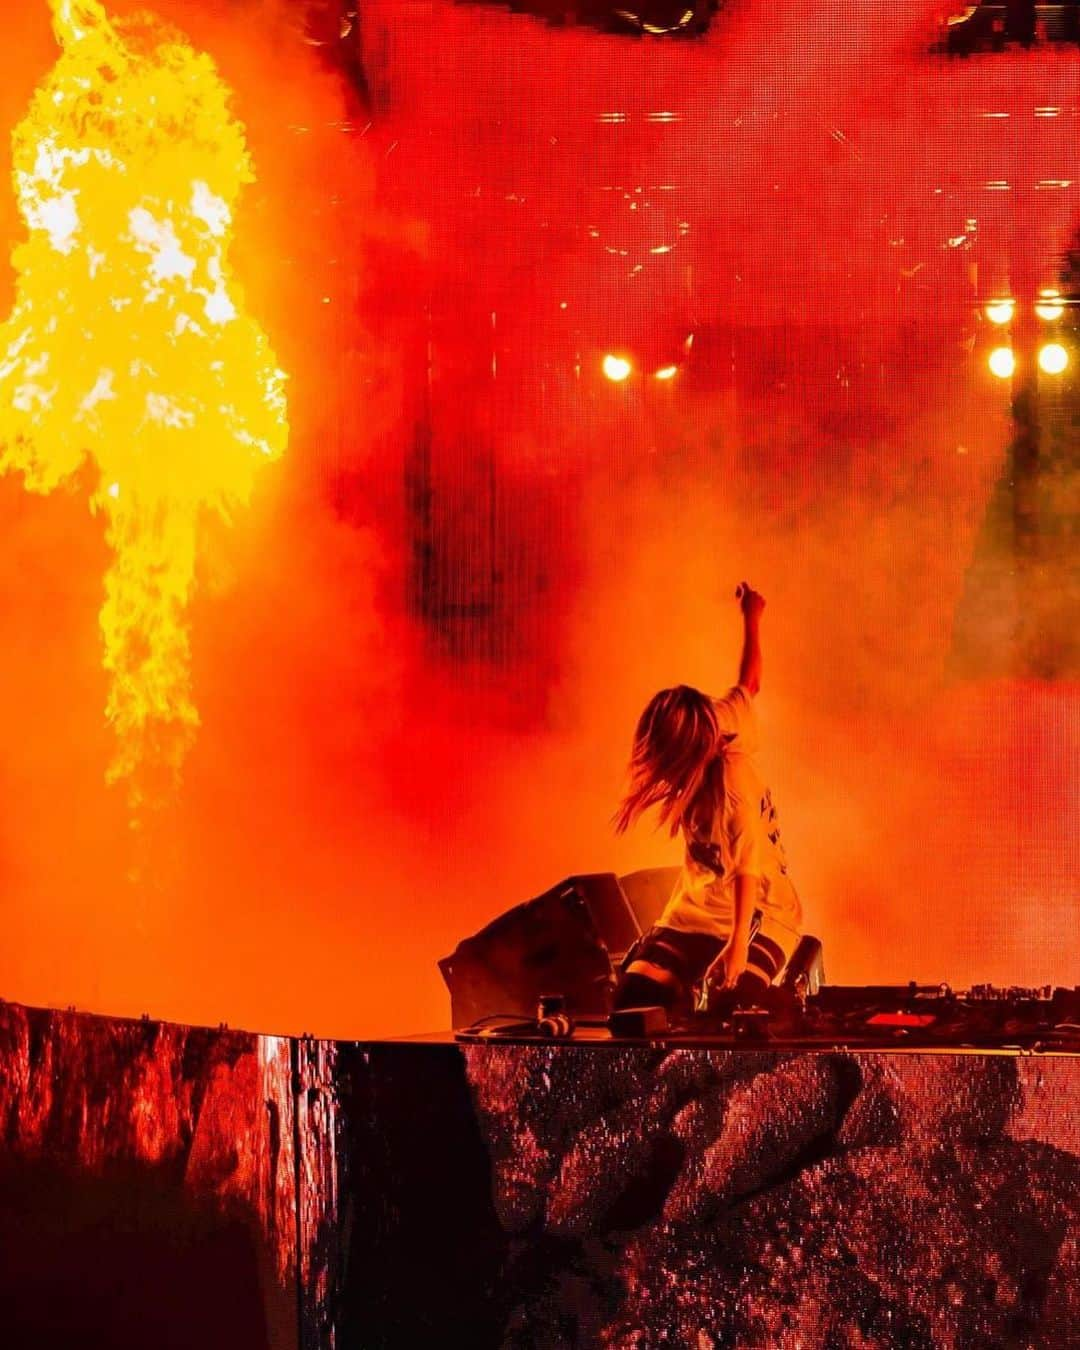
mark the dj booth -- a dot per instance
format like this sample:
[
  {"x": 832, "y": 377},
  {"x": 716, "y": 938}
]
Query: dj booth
[{"x": 874, "y": 1167}]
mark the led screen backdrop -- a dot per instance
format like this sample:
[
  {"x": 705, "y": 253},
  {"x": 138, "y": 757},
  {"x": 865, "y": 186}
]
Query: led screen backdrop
[{"x": 417, "y": 650}]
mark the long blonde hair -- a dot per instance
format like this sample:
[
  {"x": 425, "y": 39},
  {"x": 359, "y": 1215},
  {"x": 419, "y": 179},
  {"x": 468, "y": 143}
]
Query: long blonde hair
[{"x": 675, "y": 741}]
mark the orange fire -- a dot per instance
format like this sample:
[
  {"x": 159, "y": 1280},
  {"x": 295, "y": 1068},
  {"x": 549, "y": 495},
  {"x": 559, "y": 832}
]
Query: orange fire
[{"x": 128, "y": 348}]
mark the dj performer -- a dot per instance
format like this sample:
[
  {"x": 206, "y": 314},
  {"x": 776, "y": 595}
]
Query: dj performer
[{"x": 734, "y": 907}]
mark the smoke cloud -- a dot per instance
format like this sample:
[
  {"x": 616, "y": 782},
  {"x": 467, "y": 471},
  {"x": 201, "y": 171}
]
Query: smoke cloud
[{"x": 419, "y": 656}]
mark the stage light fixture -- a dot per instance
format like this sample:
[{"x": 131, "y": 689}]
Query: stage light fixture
[
  {"x": 667, "y": 372},
  {"x": 1053, "y": 358},
  {"x": 660, "y": 16},
  {"x": 1049, "y": 305},
  {"x": 999, "y": 311},
  {"x": 634, "y": 18},
  {"x": 616, "y": 368},
  {"x": 1002, "y": 362}
]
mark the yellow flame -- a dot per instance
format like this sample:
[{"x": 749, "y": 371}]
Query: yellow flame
[{"x": 128, "y": 346}]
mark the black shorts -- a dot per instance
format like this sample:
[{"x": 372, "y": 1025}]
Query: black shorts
[{"x": 688, "y": 956}]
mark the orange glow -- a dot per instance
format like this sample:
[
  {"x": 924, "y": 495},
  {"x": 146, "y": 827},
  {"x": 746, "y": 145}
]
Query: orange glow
[
  {"x": 128, "y": 347},
  {"x": 999, "y": 311},
  {"x": 1002, "y": 363},
  {"x": 1053, "y": 358},
  {"x": 667, "y": 372},
  {"x": 616, "y": 368}
]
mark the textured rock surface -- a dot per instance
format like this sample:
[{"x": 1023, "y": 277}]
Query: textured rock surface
[
  {"x": 91, "y": 1093},
  {"x": 170, "y": 1186},
  {"x": 706, "y": 1198},
  {"x": 162, "y": 1157}
]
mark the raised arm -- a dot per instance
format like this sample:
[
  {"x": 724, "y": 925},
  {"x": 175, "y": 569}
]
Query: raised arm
[{"x": 750, "y": 663}]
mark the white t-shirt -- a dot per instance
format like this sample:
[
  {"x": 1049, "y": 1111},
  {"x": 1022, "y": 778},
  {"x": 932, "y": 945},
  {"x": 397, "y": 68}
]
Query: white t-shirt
[{"x": 734, "y": 832}]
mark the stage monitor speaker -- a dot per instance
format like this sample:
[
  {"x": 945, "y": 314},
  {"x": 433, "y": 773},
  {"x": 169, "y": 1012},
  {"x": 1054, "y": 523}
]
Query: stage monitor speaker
[
  {"x": 647, "y": 892},
  {"x": 564, "y": 942}
]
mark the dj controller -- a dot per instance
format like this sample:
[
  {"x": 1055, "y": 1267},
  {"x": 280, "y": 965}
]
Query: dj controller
[{"x": 985, "y": 1018}]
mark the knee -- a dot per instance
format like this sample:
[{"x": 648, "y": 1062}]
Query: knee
[{"x": 636, "y": 990}]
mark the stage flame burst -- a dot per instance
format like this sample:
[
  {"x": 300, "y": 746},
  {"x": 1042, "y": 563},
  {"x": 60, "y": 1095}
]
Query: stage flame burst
[{"x": 128, "y": 349}]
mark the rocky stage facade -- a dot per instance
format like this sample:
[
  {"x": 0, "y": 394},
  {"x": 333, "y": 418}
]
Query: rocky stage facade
[{"x": 174, "y": 1186}]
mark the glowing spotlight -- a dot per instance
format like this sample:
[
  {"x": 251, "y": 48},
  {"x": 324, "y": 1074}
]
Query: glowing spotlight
[
  {"x": 667, "y": 372},
  {"x": 616, "y": 368},
  {"x": 999, "y": 311},
  {"x": 1053, "y": 358},
  {"x": 1002, "y": 363},
  {"x": 1049, "y": 305}
]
